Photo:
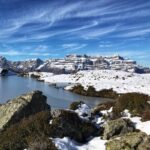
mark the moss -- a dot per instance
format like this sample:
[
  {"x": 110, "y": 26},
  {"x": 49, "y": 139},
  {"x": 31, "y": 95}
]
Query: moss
[
  {"x": 75, "y": 105},
  {"x": 130, "y": 141},
  {"x": 26, "y": 132},
  {"x": 115, "y": 128}
]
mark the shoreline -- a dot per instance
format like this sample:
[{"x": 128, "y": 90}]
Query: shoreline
[{"x": 119, "y": 81}]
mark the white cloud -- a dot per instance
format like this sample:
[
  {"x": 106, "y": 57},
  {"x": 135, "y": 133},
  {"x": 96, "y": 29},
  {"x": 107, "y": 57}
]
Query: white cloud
[
  {"x": 19, "y": 53},
  {"x": 73, "y": 46},
  {"x": 105, "y": 45},
  {"x": 135, "y": 33}
]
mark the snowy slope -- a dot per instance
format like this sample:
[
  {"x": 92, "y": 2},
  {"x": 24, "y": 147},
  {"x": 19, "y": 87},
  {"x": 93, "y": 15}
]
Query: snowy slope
[{"x": 120, "y": 81}]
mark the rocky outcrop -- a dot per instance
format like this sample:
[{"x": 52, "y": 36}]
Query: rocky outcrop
[
  {"x": 4, "y": 63},
  {"x": 130, "y": 141},
  {"x": 25, "y": 66},
  {"x": 30, "y": 133},
  {"x": 104, "y": 106},
  {"x": 6, "y": 72},
  {"x": 67, "y": 123},
  {"x": 117, "y": 127},
  {"x": 21, "y": 107},
  {"x": 3, "y": 72}
]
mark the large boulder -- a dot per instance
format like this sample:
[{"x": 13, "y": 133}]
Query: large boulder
[
  {"x": 68, "y": 123},
  {"x": 6, "y": 72},
  {"x": 30, "y": 133},
  {"x": 117, "y": 127},
  {"x": 130, "y": 141},
  {"x": 21, "y": 107},
  {"x": 3, "y": 72}
]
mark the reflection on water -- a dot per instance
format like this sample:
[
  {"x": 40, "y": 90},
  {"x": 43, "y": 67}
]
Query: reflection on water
[{"x": 13, "y": 86}]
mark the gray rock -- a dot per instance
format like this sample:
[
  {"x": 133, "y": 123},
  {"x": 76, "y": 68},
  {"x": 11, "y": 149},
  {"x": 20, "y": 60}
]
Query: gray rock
[
  {"x": 117, "y": 127},
  {"x": 22, "y": 106},
  {"x": 66, "y": 123},
  {"x": 57, "y": 112},
  {"x": 130, "y": 141}
]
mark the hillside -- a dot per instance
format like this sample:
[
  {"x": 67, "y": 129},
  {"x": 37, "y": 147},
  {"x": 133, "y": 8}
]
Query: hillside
[{"x": 119, "y": 81}]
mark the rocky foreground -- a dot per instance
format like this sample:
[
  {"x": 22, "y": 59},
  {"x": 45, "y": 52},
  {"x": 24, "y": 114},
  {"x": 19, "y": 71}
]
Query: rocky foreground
[
  {"x": 22, "y": 106},
  {"x": 27, "y": 122}
]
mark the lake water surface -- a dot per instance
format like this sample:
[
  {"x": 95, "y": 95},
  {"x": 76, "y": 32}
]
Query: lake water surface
[{"x": 13, "y": 86}]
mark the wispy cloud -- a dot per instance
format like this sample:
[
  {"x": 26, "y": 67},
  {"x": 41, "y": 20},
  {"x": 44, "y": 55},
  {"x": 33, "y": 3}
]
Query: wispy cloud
[
  {"x": 18, "y": 53},
  {"x": 18, "y": 25},
  {"x": 73, "y": 46},
  {"x": 137, "y": 33},
  {"x": 105, "y": 45},
  {"x": 75, "y": 25}
]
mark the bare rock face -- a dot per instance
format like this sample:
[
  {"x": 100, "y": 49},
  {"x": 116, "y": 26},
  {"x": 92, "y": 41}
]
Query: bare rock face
[
  {"x": 21, "y": 107},
  {"x": 130, "y": 141},
  {"x": 117, "y": 127},
  {"x": 66, "y": 123}
]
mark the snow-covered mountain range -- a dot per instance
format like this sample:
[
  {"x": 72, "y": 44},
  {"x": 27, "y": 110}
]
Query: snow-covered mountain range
[{"x": 74, "y": 63}]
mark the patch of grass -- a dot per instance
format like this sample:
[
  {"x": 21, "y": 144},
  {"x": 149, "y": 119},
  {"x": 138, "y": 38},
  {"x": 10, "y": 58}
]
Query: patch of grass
[
  {"x": 103, "y": 106},
  {"x": 136, "y": 103},
  {"x": 41, "y": 143},
  {"x": 105, "y": 93},
  {"x": 91, "y": 91},
  {"x": 28, "y": 133}
]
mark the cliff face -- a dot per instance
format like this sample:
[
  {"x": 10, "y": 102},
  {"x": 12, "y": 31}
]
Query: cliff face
[
  {"x": 72, "y": 64},
  {"x": 22, "y": 106}
]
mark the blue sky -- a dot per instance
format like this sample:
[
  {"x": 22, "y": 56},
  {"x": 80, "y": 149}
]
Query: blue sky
[{"x": 54, "y": 28}]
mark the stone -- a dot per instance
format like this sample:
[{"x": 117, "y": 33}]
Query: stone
[
  {"x": 130, "y": 141},
  {"x": 66, "y": 123},
  {"x": 21, "y": 107},
  {"x": 117, "y": 127},
  {"x": 103, "y": 106}
]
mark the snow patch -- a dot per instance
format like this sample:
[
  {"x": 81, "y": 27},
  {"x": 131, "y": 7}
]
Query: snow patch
[
  {"x": 119, "y": 81},
  {"x": 68, "y": 144},
  {"x": 142, "y": 126},
  {"x": 83, "y": 111}
]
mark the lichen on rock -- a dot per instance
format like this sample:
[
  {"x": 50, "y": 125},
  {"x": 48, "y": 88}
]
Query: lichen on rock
[
  {"x": 117, "y": 127},
  {"x": 130, "y": 141},
  {"x": 22, "y": 106}
]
